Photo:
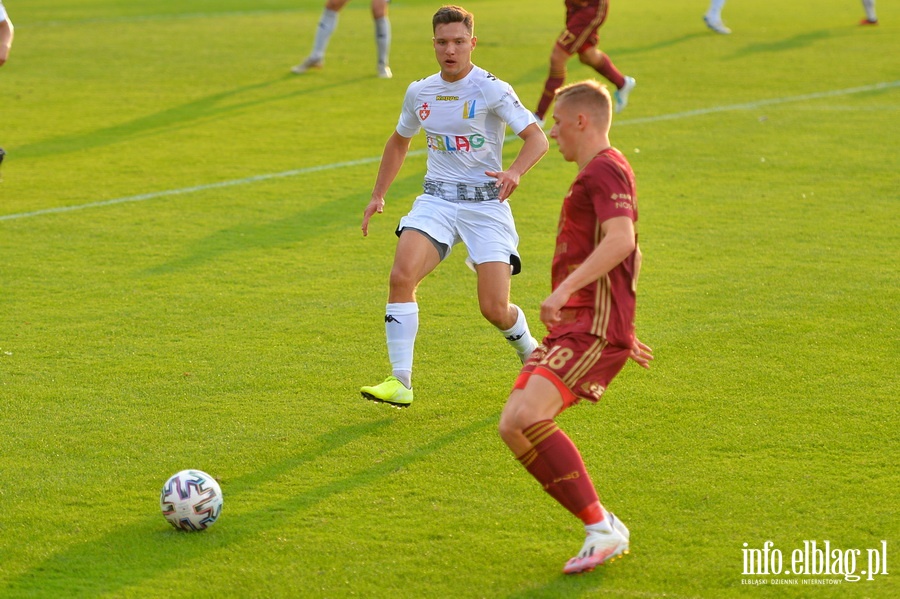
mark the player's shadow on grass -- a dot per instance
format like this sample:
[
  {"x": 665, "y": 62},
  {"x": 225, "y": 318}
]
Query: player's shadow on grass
[
  {"x": 149, "y": 547},
  {"x": 801, "y": 40},
  {"x": 566, "y": 585},
  {"x": 302, "y": 226},
  {"x": 660, "y": 45},
  {"x": 208, "y": 108}
]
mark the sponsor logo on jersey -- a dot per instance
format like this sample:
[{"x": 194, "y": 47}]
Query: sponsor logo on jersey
[
  {"x": 469, "y": 109},
  {"x": 446, "y": 98},
  {"x": 455, "y": 143},
  {"x": 424, "y": 111},
  {"x": 623, "y": 201}
]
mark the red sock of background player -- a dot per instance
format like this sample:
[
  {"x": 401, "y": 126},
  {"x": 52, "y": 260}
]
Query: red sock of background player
[
  {"x": 553, "y": 83},
  {"x": 555, "y": 462},
  {"x": 609, "y": 70}
]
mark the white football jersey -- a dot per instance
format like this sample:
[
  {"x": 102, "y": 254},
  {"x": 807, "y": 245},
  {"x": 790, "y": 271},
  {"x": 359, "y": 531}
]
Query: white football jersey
[
  {"x": 3, "y": 16},
  {"x": 465, "y": 123}
]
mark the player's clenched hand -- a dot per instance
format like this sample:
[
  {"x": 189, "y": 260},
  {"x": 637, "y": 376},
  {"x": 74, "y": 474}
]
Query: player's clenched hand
[
  {"x": 375, "y": 205},
  {"x": 507, "y": 182},
  {"x": 641, "y": 353},
  {"x": 550, "y": 308}
]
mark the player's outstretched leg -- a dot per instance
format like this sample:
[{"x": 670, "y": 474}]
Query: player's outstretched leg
[
  {"x": 713, "y": 17},
  {"x": 871, "y": 17},
  {"x": 327, "y": 24},
  {"x": 383, "y": 46}
]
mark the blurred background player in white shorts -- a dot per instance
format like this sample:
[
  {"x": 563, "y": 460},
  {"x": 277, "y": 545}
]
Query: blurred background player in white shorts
[{"x": 464, "y": 111}]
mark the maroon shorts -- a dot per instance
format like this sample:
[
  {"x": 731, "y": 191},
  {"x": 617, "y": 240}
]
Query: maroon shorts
[
  {"x": 581, "y": 366},
  {"x": 582, "y": 23}
]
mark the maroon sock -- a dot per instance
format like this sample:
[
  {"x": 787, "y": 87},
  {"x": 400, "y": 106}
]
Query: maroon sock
[
  {"x": 555, "y": 462},
  {"x": 537, "y": 467},
  {"x": 553, "y": 83},
  {"x": 610, "y": 72}
]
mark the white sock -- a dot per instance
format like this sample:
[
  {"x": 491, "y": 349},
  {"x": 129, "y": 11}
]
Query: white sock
[
  {"x": 715, "y": 10},
  {"x": 602, "y": 526},
  {"x": 383, "y": 40},
  {"x": 519, "y": 336},
  {"x": 327, "y": 25},
  {"x": 869, "y": 5},
  {"x": 401, "y": 323}
]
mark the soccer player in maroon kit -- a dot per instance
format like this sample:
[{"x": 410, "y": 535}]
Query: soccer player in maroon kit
[
  {"x": 583, "y": 19},
  {"x": 589, "y": 318}
]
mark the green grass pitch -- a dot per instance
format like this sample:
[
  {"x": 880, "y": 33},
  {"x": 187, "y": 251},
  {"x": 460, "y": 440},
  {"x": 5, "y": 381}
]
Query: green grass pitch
[{"x": 183, "y": 284}]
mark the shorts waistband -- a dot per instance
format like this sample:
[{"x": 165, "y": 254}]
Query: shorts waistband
[{"x": 460, "y": 192}]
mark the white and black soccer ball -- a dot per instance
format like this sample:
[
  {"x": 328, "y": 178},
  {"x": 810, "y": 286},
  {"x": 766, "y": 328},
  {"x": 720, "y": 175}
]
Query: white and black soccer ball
[{"x": 191, "y": 500}]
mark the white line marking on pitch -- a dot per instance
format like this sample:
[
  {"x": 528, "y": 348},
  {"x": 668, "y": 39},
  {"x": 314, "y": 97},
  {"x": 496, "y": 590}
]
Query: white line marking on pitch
[
  {"x": 761, "y": 103},
  {"x": 173, "y": 192},
  {"x": 338, "y": 165}
]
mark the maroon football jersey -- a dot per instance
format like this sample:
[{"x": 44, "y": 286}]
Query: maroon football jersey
[{"x": 604, "y": 189}]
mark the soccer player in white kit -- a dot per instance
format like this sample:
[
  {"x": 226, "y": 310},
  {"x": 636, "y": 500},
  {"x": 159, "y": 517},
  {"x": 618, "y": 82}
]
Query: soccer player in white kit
[{"x": 464, "y": 111}]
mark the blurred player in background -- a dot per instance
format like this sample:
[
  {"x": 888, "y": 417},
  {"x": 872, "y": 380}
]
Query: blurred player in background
[
  {"x": 6, "y": 38},
  {"x": 6, "y": 35},
  {"x": 871, "y": 18},
  {"x": 464, "y": 111},
  {"x": 713, "y": 17},
  {"x": 328, "y": 23},
  {"x": 583, "y": 19},
  {"x": 589, "y": 318}
]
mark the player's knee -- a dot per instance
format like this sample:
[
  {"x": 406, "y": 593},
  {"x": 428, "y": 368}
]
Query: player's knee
[
  {"x": 379, "y": 9},
  {"x": 508, "y": 429},
  {"x": 401, "y": 280},
  {"x": 498, "y": 314},
  {"x": 503, "y": 431}
]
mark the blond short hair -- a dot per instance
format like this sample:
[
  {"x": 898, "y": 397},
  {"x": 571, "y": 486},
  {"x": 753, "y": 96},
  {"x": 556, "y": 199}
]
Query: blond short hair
[{"x": 588, "y": 95}]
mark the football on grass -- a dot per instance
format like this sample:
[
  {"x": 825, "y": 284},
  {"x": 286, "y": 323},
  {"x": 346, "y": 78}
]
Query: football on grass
[{"x": 191, "y": 500}]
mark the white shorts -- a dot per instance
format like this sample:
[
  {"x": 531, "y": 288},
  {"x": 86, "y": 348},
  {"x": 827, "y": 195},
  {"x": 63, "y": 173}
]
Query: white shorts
[{"x": 486, "y": 228}]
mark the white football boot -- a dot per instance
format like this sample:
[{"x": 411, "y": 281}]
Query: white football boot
[{"x": 621, "y": 94}]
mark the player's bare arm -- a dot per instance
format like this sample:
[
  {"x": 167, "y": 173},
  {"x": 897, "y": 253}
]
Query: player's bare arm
[
  {"x": 395, "y": 151},
  {"x": 534, "y": 148},
  {"x": 616, "y": 244}
]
